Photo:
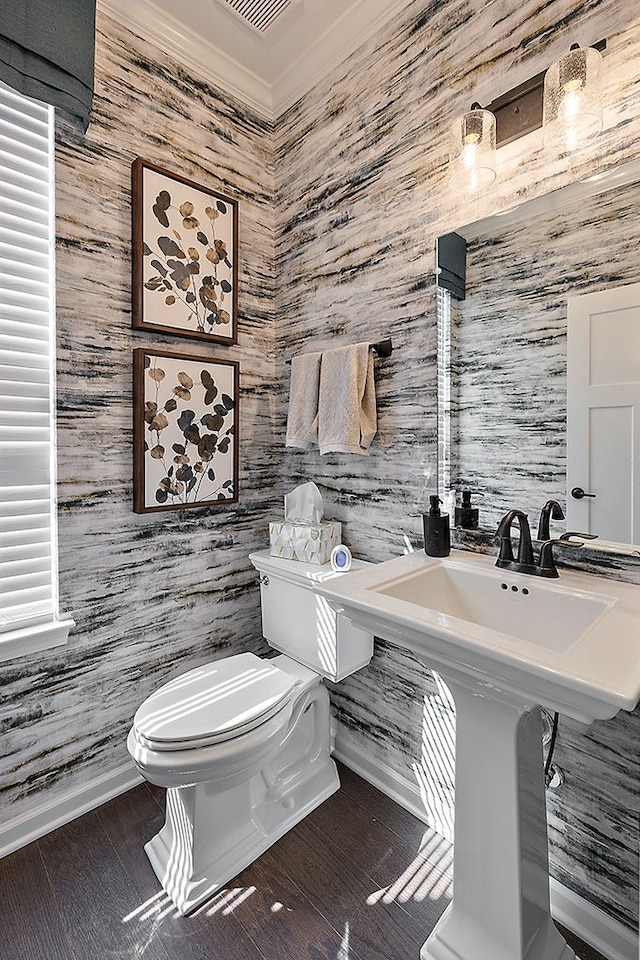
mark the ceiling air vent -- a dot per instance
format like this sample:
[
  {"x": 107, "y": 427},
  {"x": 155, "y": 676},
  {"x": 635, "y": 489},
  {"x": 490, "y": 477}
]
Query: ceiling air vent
[{"x": 259, "y": 14}]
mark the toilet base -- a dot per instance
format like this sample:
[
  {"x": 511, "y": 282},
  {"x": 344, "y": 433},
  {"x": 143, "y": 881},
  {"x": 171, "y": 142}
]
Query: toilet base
[{"x": 211, "y": 834}]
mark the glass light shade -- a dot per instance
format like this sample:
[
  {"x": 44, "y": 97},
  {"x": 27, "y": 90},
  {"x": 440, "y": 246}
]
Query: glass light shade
[
  {"x": 472, "y": 154},
  {"x": 572, "y": 106}
]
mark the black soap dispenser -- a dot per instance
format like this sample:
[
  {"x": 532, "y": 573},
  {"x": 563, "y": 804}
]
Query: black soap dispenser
[
  {"x": 437, "y": 536},
  {"x": 467, "y": 515}
]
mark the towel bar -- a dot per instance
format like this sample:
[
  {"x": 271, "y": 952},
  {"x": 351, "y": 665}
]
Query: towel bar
[{"x": 383, "y": 348}]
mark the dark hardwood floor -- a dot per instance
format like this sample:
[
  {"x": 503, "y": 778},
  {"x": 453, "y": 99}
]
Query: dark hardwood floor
[{"x": 359, "y": 879}]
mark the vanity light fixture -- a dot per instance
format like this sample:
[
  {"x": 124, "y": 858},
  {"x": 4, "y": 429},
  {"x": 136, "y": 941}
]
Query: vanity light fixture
[
  {"x": 519, "y": 111},
  {"x": 572, "y": 105},
  {"x": 472, "y": 154}
]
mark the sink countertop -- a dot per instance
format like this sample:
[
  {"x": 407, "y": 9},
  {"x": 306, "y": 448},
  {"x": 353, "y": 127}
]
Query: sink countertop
[{"x": 592, "y": 677}]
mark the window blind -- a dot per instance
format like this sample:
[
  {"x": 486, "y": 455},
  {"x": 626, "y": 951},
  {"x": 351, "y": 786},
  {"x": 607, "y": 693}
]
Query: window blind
[{"x": 28, "y": 575}]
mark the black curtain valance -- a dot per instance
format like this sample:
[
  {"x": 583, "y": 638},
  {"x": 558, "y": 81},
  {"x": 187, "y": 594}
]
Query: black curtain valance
[
  {"x": 452, "y": 264},
  {"x": 47, "y": 52}
]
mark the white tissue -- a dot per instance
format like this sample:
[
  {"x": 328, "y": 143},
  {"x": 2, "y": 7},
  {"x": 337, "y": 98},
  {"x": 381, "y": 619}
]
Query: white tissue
[{"x": 304, "y": 504}]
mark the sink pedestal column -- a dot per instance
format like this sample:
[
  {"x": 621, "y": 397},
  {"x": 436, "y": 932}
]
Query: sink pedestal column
[{"x": 500, "y": 906}]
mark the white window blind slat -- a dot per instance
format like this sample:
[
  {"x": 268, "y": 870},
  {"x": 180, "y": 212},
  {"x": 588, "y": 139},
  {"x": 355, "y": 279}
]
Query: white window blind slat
[
  {"x": 35, "y": 501},
  {"x": 37, "y": 282},
  {"x": 25, "y": 373},
  {"x": 24, "y": 308},
  {"x": 17, "y": 173},
  {"x": 24, "y": 493},
  {"x": 28, "y": 432},
  {"x": 22, "y": 322},
  {"x": 24, "y": 539},
  {"x": 9, "y": 281},
  {"x": 27, "y": 418},
  {"x": 22, "y": 241},
  {"x": 30, "y": 155},
  {"x": 13, "y": 571},
  {"x": 13, "y": 205},
  {"x": 16, "y": 225},
  {"x": 21, "y": 346},
  {"x": 40, "y": 522},
  {"x": 18, "y": 552},
  {"x": 38, "y": 262},
  {"x": 31, "y": 460},
  {"x": 24, "y": 359},
  {"x": 32, "y": 132},
  {"x": 29, "y": 590},
  {"x": 14, "y": 175},
  {"x": 11, "y": 100},
  {"x": 15, "y": 395}
]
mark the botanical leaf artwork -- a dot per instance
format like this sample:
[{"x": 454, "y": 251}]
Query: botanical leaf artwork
[
  {"x": 189, "y": 431},
  {"x": 188, "y": 274}
]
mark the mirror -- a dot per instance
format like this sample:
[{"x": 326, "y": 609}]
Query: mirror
[{"x": 502, "y": 351}]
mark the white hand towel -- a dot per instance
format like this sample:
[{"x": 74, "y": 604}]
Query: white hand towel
[
  {"x": 347, "y": 419},
  {"x": 302, "y": 420}
]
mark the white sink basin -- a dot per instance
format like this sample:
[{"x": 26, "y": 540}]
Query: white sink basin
[
  {"x": 533, "y": 611},
  {"x": 571, "y": 644}
]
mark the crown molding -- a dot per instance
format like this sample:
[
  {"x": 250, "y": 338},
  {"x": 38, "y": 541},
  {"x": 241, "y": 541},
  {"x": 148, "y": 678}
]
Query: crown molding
[
  {"x": 312, "y": 63},
  {"x": 194, "y": 52}
]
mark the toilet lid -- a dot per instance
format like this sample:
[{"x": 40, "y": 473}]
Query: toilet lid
[{"x": 214, "y": 702}]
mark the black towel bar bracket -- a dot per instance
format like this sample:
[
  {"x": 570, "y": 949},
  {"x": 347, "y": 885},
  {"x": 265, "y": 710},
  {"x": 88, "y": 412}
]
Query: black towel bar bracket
[{"x": 383, "y": 349}]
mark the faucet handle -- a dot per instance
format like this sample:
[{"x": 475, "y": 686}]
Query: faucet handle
[
  {"x": 566, "y": 538},
  {"x": 546, "y": 563}
]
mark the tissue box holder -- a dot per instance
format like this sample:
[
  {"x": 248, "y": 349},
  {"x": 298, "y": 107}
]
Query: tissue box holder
[{"x": 311, "y": 542}]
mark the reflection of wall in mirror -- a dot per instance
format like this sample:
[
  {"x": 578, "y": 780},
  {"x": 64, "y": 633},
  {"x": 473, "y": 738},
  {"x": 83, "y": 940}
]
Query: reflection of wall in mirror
[{"x": 509, "y": 401}]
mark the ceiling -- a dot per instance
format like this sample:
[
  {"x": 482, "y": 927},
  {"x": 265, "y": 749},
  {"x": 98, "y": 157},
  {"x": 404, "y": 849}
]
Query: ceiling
[{"x": 267, "y": 52}]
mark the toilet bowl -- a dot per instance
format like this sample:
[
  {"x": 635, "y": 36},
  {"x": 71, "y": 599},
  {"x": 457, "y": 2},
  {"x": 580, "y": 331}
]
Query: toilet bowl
[{"x": 242, "y": 744}]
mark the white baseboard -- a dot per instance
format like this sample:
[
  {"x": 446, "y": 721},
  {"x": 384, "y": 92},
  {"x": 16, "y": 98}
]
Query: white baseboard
[
  {"x": 590, "y": 923},
  {"x": 50, "y": 815}
]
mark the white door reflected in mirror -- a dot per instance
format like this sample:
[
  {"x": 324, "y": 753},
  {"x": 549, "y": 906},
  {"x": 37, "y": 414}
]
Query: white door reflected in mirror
[{"x": 603, "y": 413}]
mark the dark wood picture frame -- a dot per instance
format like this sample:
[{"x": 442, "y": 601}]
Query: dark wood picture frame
[
  {"x": 185, "y": 431},
  {"x": 184, "y": 256}
]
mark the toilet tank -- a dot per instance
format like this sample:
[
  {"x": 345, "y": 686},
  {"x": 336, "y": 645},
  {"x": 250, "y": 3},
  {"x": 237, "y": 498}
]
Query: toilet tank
[{"x": 301, "y": 624}]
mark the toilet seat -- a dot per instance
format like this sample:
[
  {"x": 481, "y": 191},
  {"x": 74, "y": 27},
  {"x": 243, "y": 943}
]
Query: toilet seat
[{"x": 216, "y": 702}]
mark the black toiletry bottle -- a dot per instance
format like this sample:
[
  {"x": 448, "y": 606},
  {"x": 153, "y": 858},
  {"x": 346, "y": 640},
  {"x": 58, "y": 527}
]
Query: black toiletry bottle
[
  {"x": 437, "y": 537},
  {"x": 466, "y": 515}
]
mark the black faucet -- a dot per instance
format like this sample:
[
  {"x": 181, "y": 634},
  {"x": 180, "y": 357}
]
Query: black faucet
[
  {"x": 525, "y": 562},
  {"x": 545, "y": 567},
  {"x": 551, "y": 510}
]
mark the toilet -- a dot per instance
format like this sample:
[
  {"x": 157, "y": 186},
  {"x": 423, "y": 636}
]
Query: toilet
[{"x": 242, "y": 744}]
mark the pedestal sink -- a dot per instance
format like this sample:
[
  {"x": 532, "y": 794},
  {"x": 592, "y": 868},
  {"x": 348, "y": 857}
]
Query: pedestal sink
[{"x": 506, "y": 644}]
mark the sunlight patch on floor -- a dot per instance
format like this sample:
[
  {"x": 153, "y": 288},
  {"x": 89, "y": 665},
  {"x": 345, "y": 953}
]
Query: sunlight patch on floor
[
  {"x": 343, "y": 949},
  {"x": 157, "y": 906},
  {"x": 227, "y": 901},
  {"x": 423, "y": 878}
]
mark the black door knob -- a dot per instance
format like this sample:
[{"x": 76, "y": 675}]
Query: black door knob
[{"x": 578, "y": 493}]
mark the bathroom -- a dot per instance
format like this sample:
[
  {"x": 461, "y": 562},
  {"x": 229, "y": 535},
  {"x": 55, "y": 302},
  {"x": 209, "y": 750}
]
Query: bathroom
[{"x": 341, "y": 199}]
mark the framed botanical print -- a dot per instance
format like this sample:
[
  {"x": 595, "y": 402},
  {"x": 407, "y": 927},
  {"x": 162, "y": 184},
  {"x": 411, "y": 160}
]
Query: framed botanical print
[
  {"x": 185, "y": 256},
  {"x": 185, "y": 442}
]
